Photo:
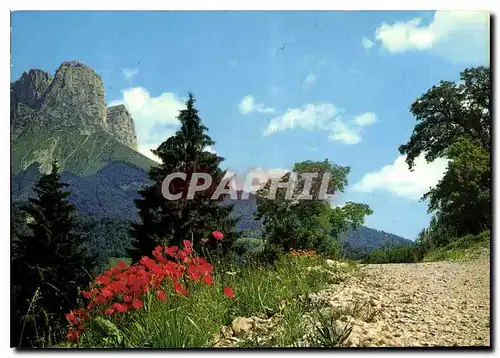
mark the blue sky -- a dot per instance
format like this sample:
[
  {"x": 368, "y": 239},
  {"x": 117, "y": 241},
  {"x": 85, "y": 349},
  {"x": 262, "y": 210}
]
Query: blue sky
[{"x": 275, "y": 88}]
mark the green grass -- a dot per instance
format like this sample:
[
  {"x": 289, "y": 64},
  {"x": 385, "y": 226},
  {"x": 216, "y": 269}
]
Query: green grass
[
  {"x": 193, "y": 321},
  {"x": 113, "y": 261},
  {"x": 77, "y": 153},
  {"x": 465, "y": 248}
]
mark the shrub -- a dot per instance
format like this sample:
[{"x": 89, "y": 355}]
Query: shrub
[
  {"x": 247, "y": 244},
  {"x": 398, "y": 254}
]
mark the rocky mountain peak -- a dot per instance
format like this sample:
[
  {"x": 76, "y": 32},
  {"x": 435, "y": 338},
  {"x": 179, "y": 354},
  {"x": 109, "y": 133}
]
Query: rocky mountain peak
[
  {"x": 75, "y": 98},
  {"x": 26, "y": 95},
  {"x": 121, "y": 125},
  {"x": 73, "y": 64},
  {"x": 29, "y": 89}
]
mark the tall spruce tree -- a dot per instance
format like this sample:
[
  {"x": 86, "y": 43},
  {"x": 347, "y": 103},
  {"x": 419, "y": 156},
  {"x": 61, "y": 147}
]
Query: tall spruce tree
[
  {"x": 172, "y": 221},
  {"x": 49, "y": 265}
]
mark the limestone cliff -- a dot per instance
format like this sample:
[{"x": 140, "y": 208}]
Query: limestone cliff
[
  {"x": 121, "y": 125},
  {"x": 75, "y": 98},
  {"x": 66, "y": 118},
  {"x": 26, "y": 96}
]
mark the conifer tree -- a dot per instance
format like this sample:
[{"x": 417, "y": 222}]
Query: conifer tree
[
  {"x": 172, "y": 221},
  {"x": 49, "y": 264}
]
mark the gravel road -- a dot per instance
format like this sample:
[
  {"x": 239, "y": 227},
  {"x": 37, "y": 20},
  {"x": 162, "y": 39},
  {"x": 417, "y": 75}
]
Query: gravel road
[{"x": 424, "y": 304}]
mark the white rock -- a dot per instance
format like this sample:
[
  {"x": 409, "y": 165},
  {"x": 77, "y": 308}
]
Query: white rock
[{"x": 240, "y": 325}]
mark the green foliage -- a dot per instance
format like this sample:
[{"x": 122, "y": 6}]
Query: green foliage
[
  {"x": 435, "y": 236},
  {"x": 49, "y": 264},
  {"x": 293, "y": 222},
  {"x": 247, "y": 244},
  {"x": 462, "y": 196},
  {"x": 455, "y": 123},
  {"x": 330, "y": 332},
  {"x": 172, "y": 221},
  {"x": 104, "y": 238},
  {"x": 450, "y": 111},
  {"x": 398, "y": 254}
]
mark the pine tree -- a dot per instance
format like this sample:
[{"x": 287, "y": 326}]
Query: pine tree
[
  {"x": 172, "y": 221},
  {"x": 49, "y": 263}
]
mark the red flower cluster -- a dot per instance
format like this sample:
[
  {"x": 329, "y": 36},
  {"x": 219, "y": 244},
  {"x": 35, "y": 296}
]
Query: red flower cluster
[
  {"x": 120, "y": 289},
  {"x": 310, "y": 253}
]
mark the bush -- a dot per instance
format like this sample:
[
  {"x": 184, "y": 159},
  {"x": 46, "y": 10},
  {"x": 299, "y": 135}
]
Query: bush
[
  {"x": 266, "y": 256},
  {"x": 247, "y": 244},
  {"x": 398, "y": 254}
]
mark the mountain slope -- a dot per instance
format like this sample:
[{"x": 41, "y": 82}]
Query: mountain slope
[
  {"x": 80, "y": 154},
  {"x": 110, "y": 192}
]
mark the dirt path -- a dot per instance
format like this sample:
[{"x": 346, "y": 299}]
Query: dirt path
[{"x": 424, "y": 304}]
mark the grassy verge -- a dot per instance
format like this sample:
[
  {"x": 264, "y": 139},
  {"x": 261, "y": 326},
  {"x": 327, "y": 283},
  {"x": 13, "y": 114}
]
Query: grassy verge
[
  {"x": 465, "y": 248},
  {"x": 194, "y": 320}
]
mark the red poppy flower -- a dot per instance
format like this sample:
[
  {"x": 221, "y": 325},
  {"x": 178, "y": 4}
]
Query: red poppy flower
[
  {"x": 228, "y": 291},
  {"x": 161, "y": 295},
  {"x": 86, "y": 294},
  {"x": 101, "y": 300},
  {"x": 136, "y": 304},
  {"x": 179, "y": 289},
  {"x": 127, "y": 298},
  {"x": 218, "y": 235},
  {"x": 72, "y": 336},
  {"x": 186, "y": 243},
  {"x": 170, "y": 251},
  {"x": 120, "y": 307},
  {"x": 104, "y": 280},
  {"x": 108, "y": 311},
  {"x": 70, "y": 317},
  {"x": 121, "y": 265},
  {"x": 107, "y": 293},
  {"x": 208, "y": 279}
]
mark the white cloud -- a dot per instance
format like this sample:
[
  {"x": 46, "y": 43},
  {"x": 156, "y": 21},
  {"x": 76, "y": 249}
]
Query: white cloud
[
  {"x": 310, "y": 79},
  {"x": 145, "y": 149},
  {"x": 129, "y": 73},
  {"x": 248, "y": 105},
  {"x": 325, "y": 117},
  {"x": 399, "y": 180},
  {"x": 309, "y": 117},
  {"x": 341, "y": 132},
  {"x": 365, "y": 119},
  {"x": 155, "y": 118},
  {"x": 367, "y": 43},
  {"x": 459, "y": 36}
]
